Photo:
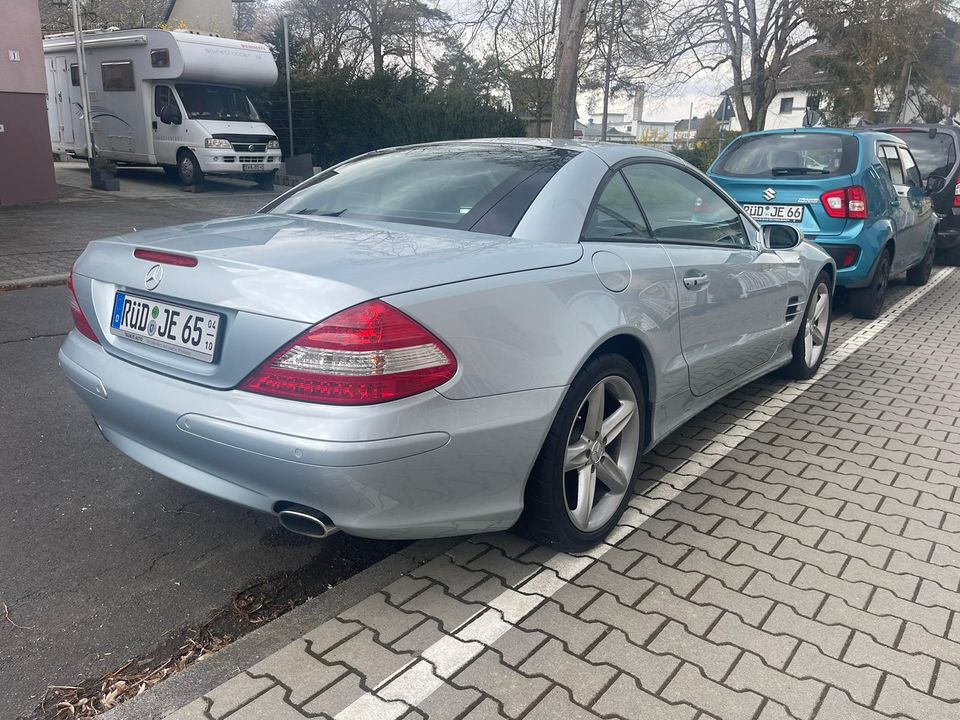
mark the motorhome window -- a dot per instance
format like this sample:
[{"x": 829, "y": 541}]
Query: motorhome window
[
  {"x": 160, "y": 58},
  {"x": 117, "y": 76},
  {"x": 75, "y": 75},
  {"x": 216, "y": 102}
]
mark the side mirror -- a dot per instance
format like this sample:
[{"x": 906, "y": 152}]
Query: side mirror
[
  {"x": 782, "y": 237},
  {"x": 935, "y": 184},
  {"x": 170, "y": 115}
]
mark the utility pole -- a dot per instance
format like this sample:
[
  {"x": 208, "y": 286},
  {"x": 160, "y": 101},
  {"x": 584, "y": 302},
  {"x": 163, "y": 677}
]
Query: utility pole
[
  {"x": 286, "y": 57},
  {"x": 723, "y": 120},
  {"x": 84, "y": 88}
]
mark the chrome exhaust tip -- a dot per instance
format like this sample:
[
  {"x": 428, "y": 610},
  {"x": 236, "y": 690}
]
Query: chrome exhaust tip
[{"x": 306, "y": 521}]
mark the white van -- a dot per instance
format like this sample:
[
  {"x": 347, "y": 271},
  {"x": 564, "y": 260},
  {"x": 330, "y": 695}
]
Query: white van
[{"x": 170, "y": 98}]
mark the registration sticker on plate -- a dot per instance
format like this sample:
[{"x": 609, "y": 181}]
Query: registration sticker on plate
[
  {"x": 175, "y": 328},
  {"x": 776, "y": 213},
  {"x": 256, "y": 167}
]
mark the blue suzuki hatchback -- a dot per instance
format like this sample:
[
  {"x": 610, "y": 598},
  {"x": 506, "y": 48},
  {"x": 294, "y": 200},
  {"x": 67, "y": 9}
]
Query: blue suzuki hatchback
[{"x": 858, "y": 195}]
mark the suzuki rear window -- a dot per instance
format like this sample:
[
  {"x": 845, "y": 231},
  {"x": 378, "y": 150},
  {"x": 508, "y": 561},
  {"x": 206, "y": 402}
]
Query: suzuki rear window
[
  {"x": 789, "y": 154},
  {"x": 934, "y": 155},
  {"x": 457, "y": 185}
]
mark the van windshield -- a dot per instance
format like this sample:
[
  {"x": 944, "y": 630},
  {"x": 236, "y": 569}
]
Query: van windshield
[{"x": 216, "y": 102}]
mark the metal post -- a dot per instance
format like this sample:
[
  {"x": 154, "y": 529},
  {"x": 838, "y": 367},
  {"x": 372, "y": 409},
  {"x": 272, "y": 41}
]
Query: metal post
[
  {"x": 286, "y": 57},
  {"x": 84, "y": 89},
  {"x": 906, "y": 95},
  {"x": 723, "y": 119},
  {"x": 689, "y": 137}
]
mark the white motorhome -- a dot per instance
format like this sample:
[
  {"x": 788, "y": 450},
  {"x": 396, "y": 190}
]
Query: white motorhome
[{"x": 170, "y": 98}]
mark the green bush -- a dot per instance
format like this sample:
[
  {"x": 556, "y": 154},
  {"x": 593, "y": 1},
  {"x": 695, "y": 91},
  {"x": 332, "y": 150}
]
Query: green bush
[
  {"x": 703, "y": 152},
  {"x": 336, "y": 117}
]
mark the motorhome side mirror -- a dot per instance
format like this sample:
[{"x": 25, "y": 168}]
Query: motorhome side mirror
[
  {"x": 935, "y": 184},
  {"x": 170, "y": 115},
  {"x": 782, "y": 237}
]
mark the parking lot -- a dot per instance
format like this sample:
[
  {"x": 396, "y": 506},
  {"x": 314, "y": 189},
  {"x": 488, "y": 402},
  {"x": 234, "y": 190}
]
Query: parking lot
[
  {"x": 795, "y": 553},
  {"x": 792, "y": 552}
]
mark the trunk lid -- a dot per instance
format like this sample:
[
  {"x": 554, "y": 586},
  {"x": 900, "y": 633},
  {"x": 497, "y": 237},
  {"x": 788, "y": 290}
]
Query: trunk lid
[{"x": 272, "y": 276}]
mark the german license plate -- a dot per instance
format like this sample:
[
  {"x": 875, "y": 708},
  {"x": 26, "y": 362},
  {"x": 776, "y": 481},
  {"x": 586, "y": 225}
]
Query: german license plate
[
  {"x": 175, "y": 328},
  {"x": 254, "y": 167},
  {"x": 776, "y": 213}
]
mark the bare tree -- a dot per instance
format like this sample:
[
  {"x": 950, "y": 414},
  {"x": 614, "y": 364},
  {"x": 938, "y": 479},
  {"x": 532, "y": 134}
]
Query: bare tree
[
  {"x": 571, "y": 20},
  {"x": 102, "y": 14},
  {"x": 753, "y": 38}
]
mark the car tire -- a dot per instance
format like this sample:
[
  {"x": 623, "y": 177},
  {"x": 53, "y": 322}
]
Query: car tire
[
  {"x": 265, "y": 180},
  {"x": 867, "y": 303},
  {"x": 188, "y": 169},
  {"x": 920, "y": 273},
  {"x": 580, "y": 486},
  {"x": 810, "y": 344}
]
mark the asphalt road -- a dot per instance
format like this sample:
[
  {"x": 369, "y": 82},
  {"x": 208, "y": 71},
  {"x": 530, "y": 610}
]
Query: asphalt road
[{"x": 99, "y": 557}]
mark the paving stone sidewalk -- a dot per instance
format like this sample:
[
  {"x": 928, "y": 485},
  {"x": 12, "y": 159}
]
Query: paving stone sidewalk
[{"x": 793, "y": 553}]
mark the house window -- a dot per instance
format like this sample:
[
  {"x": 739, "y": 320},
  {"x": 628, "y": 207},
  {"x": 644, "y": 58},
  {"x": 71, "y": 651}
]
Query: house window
[
  {"x": 160, "y": 58},
  {"x": 75, "y": 75},
  {"x": 117, "y": 76},
  {"x": 786, "y": 105}
]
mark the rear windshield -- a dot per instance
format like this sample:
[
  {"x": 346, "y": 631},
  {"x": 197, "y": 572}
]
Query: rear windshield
[
  {"x": 934, "y": 155},
  {"x": 439, "y": 185},
  {"x": 789, "y": 154}
]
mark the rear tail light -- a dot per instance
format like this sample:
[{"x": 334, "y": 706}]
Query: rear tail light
[
  {"x": 165, "y": 258},
  {"x": 79, "y": 319},
  {"x": 367, "y": 354},
  {"x": 956, "y": 193},
  {"x": 846, "y": 203}
]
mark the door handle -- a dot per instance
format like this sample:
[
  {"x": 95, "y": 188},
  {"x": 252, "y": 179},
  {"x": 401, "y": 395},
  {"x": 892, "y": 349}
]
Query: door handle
[{"x": 694, "y": 280}]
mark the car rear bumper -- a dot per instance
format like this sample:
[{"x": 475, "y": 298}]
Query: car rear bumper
[
  {"x": 424, "y": 466},
  {"x": 868, "y": 240},
  {"x": 948, "y": 230}
]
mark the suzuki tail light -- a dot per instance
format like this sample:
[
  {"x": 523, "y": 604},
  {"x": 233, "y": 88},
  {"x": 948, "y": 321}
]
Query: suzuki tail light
[
  {"x": 845, "y": 203},
  {"x": 956, "y": 193},
  {"x": 79, "y": 319},
  {"x": 367, "y": 354}
]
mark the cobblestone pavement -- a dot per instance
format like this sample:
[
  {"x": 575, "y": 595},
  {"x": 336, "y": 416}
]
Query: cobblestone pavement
[
  {"x": 793, "y": 553},
  {"x": 44, "y": 240}
]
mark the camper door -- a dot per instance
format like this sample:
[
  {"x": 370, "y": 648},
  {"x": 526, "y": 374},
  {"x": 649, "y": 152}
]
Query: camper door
[{"x": 167, "y": 124}]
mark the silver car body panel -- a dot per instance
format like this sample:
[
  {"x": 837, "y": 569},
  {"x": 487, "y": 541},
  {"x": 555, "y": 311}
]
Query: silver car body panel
[{"x": 521, "y": 314}]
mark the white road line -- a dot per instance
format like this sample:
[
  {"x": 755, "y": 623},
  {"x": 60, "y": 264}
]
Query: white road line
[{"x": 416, "y": 681}]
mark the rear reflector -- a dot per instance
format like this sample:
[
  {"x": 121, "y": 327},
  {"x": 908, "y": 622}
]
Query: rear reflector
[
  {"x": 845, "y": 203},
  {"x": 367, "y": 354},
  {"x": 79, "y": 319},
  {"x": 165, "y": 258}
]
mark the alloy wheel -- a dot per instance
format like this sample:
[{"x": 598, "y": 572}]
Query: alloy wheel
[
  {"x": 818, "y": 322},
  {"x": 601, "y": 453}
]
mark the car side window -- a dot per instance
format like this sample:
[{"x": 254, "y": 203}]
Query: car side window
[
  {"x": 682, "y": 208},
  {"x": 891, "y": 160},
  {"x": 162, "y": 95},
  {"x": 616, "y": 214},
  {"x": 911, "y": 172}
]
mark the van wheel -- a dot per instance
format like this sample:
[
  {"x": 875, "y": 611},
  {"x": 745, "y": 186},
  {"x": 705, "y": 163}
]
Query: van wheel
[
  {"x": 920, "y": 273},
  {"x": 188, "y": 168},
  {"x": 867, "y": 303},
  {"x": 265, "y": 180},
  {"x": 583, "y": 478}
]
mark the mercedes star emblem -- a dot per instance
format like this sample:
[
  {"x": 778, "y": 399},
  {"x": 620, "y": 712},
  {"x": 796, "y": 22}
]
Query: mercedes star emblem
[{"x": 154, "y": 276}]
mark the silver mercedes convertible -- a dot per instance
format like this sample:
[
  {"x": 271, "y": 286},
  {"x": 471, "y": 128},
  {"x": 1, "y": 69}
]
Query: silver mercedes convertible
[{"x": 442, "y": 339}]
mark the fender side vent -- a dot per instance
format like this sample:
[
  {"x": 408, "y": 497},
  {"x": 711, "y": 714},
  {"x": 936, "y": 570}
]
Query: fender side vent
[{"x": 794, "y": 306}]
